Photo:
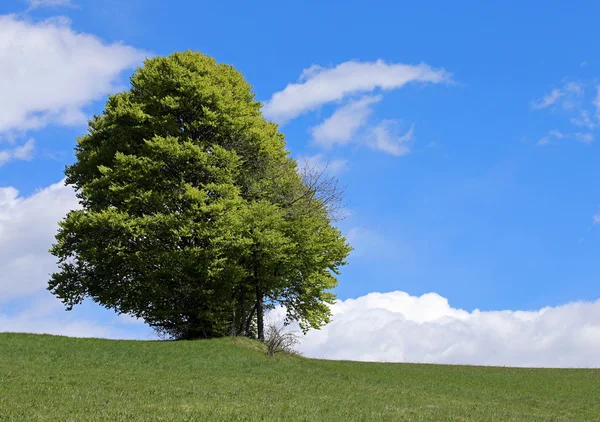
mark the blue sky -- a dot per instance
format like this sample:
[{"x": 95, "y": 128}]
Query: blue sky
[{"x": 464, "y": 131}]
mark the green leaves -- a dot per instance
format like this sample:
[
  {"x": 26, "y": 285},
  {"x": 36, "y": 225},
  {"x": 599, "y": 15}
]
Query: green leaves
[{"x": 194, "y": 217}]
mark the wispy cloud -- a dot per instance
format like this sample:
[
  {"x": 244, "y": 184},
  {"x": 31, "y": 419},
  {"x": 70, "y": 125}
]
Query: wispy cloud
[
  {"x": 586, "y": 138},
  {"x": 570, "y": 89},
  {"x": 341, "y": 126},
  {"x": 597, "y": 102},
  {"x": 574, "y": 87},
  {"x": 346, "y": 85},
  {"x": 553, "y": 134},
  {"x": 22, "y": 152},
  {"x": 596, "y": 218},
  {"x": 548, "y": 99},
  {"x": 385, "y": 137},
  {"x": 318, "y": 85},
  {"x": 582, "y": 111},
  {"x": 372, "y": 244},
  {"x": 33, "y": 4},
  {"x": 319, "y": 162},
  {"x": 584, "y": 120}
]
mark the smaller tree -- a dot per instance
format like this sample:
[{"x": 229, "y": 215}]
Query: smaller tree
[{"x": 291, "y": 252}]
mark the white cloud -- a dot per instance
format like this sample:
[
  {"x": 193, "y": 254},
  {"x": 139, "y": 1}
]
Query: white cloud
[
  {"x": 371, "y": 244},
  {"x": 398, "y": 327},
  {"x": 341, "y": 126},
  {"x": 384, "y": 137},
  {"x": 556, "y": 134},
  {"x": 392, "y": 326},
  {"x": 596, "y": 218},
  {"x": 548, "y": 99},
  {"x": 320, "y": 163},
  {"x": 574, "y": 87},
  {"x": 49, "y": 3},
  {"x": 27, "y": 229},
  {"x": 569, "y": 93},
  {"x": 597, "y": 102},
  {"x": 318, "y": 86},
  {"x": 584, "y": 120},
  {"x": 46, "y": 315},
  {"x": 129, "y": 319},
  {"x": 50, "y": 73},
  {"x": 586, "y": 138},
  {"x": 574, "y": 103},
  {"x": 552, "y": 134},
  {"x": 23, "y": 152}
]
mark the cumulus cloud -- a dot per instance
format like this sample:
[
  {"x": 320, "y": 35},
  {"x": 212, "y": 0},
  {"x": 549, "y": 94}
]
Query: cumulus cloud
[
  {"x": 318, "y": 85},
  {"x": 393, "y": 327},
  {"x": 27, "y": 229},
  {"x": 50, "y": 73},
  {"x": 398, "y": 327},
  {"x": 22, "y": 152},
  {"x": 341, "y": 126},
  {"x": 385, "y": 137}
]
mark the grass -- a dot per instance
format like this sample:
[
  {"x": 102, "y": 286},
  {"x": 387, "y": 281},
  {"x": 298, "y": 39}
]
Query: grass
[{"x": 53, "y": 378}]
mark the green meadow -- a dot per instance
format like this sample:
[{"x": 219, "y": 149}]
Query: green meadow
[{"x": 51, "y": 378}]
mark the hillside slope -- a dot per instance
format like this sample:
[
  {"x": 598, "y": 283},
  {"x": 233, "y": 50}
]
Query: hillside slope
[{"x": 58, "y": 378}]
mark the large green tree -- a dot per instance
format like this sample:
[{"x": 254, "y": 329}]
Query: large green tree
[{"x": 194, "y": 217}]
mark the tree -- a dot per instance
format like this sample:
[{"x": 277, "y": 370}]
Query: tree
[{"x": 194, "y": 217}]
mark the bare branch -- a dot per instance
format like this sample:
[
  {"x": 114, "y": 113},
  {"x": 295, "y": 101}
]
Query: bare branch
[{"x": 324, "y": 189}]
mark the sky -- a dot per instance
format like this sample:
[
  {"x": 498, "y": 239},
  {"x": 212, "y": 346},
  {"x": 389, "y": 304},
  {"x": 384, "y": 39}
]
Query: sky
[{"x": 466, "y": 133}]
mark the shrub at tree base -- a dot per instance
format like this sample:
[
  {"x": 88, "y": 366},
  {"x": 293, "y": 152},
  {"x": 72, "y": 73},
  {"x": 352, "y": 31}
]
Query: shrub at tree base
[
  {"x": 194, "y": 217},
  {"x": 278, "y": 340}
]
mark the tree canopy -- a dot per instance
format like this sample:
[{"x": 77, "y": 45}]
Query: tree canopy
[{"x": 194, "y": 216}]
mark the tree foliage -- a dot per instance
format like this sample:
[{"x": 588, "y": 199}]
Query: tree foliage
[{"x": 194, "y": 216}]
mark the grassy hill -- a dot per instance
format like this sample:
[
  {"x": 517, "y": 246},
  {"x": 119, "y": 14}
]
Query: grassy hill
[{"x": 58, "y": 378}]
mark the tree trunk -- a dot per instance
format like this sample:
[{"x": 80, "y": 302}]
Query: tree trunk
[
  {"x": 249, "y": 321},
  {"x": 259, "y": 313},
  {"x": 241, "y": 327}
]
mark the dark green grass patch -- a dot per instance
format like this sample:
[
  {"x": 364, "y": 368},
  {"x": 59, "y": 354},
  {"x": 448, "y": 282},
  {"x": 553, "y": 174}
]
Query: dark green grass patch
[{"x": 48, "y": 378}]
